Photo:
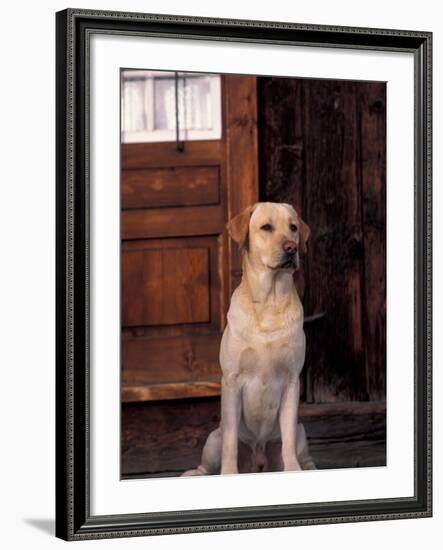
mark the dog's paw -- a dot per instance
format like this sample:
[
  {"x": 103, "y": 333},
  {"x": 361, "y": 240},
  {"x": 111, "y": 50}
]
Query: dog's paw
[
  {"x": 291, "y": 465},
  {"x": 199, "y": 471},
  {"x": 229, "y": 470}
]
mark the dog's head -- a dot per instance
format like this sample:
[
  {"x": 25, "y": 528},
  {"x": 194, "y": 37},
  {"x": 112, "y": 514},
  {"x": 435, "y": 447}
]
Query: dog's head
[{"x": 272, "y": 233}]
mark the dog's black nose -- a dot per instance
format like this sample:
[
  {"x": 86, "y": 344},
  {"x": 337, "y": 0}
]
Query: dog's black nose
[{"x": 290, "y": 247}]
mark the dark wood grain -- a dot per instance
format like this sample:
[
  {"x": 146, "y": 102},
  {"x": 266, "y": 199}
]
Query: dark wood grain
[
  {"x": 166, "y": 438},
  {"x": 322, "y": 148},
  {"x": 168, "y": 435},
  {"x": 281, "y": 155},
  {"x": 372, "y": 98},
  {"x": 335, "y": 255}
]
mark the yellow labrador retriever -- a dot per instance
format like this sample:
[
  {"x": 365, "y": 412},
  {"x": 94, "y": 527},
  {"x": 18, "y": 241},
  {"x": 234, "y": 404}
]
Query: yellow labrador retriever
[{"x": 262, "y": 350}]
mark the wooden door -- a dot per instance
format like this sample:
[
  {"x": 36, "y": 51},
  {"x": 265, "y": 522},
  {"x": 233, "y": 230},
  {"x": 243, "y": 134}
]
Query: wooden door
[{"x": 178, "y": 267}]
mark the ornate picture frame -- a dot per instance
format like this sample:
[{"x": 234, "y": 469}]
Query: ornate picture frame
[{"x": 74, "y": 29}]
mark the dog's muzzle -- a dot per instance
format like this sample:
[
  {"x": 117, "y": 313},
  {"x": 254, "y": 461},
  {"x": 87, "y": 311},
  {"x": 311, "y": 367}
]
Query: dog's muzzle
[{"x": 289, "y": 261}]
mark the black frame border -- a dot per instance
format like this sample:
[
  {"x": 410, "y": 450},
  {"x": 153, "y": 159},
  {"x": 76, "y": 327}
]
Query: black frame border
[{"x": 73, "y": 30}]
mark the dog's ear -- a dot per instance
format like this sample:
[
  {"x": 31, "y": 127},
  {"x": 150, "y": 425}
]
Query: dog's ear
[
  {"x": 305, "y": 231},
  {"x": 238, "y": 227}
]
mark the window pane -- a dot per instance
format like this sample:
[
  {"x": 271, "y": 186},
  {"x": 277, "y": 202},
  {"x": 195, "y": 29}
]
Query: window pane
[{"x": 151, "y": 102}]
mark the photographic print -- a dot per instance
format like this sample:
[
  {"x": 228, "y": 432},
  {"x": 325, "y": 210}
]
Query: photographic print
[
  {"x": 244, "y": 305},
  {"x": 253, "y": 273}
]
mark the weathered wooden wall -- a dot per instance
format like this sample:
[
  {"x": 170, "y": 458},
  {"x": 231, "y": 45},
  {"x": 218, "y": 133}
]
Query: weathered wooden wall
[{"x": 323, "y": 149}]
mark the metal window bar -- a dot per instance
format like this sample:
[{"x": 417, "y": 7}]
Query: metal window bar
[{"x": 180, "y": 144}]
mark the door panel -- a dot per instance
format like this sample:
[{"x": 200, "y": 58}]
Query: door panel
[
  {"x": 159, "y": 155},
  {"x": 172, "y": 222},
  {"x": 177, "y": 264},
  {"x": 187, "y": 357},
  {"x": 181, "y": 186},
  {"x": 165, "y": 287}
]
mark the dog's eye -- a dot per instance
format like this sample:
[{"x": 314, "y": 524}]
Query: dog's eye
[
  {"x": 267, "y": 227},
  {"x": 293, "y": 227}
]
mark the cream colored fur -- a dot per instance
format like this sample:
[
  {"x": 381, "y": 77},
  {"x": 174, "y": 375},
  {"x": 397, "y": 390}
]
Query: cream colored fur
[{"x": 262, "y": 350}]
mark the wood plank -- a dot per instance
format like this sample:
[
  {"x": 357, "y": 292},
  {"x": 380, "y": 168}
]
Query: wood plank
[
  {"x": 172, "y": 222},
  {"x": 165, "y": 436},
  {"x": 344, "y": 408},
  {"x": 242, "y": 156},
  {"x": 159, "y": 187},
  {"x": 373, "y": 181},
  {"x": 174, "y": 390},
  {"x": 188, "y": 357},
  {"x": 161, "y": 155},
  {"x": 345, "y": 149},
  {"x": 281, "y": 155},
  {"x": 160, "y": 437},
  {"x": 335, "y": 350},
  {"x": 347, "y": 441},
  {"x": 164, "y": 287}
]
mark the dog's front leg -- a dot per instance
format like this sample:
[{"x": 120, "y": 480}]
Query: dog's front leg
[
  {"x": 288, "y": 424},
  {"x": 230, "y": 418}
]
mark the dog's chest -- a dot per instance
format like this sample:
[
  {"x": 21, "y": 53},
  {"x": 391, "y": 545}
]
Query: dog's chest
[
  {"x": 271, "y": 360},
  {"x": 264, "y": 375},
  {"x": 266, "y": 343},
  {"x": 272, "y": 356}
]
